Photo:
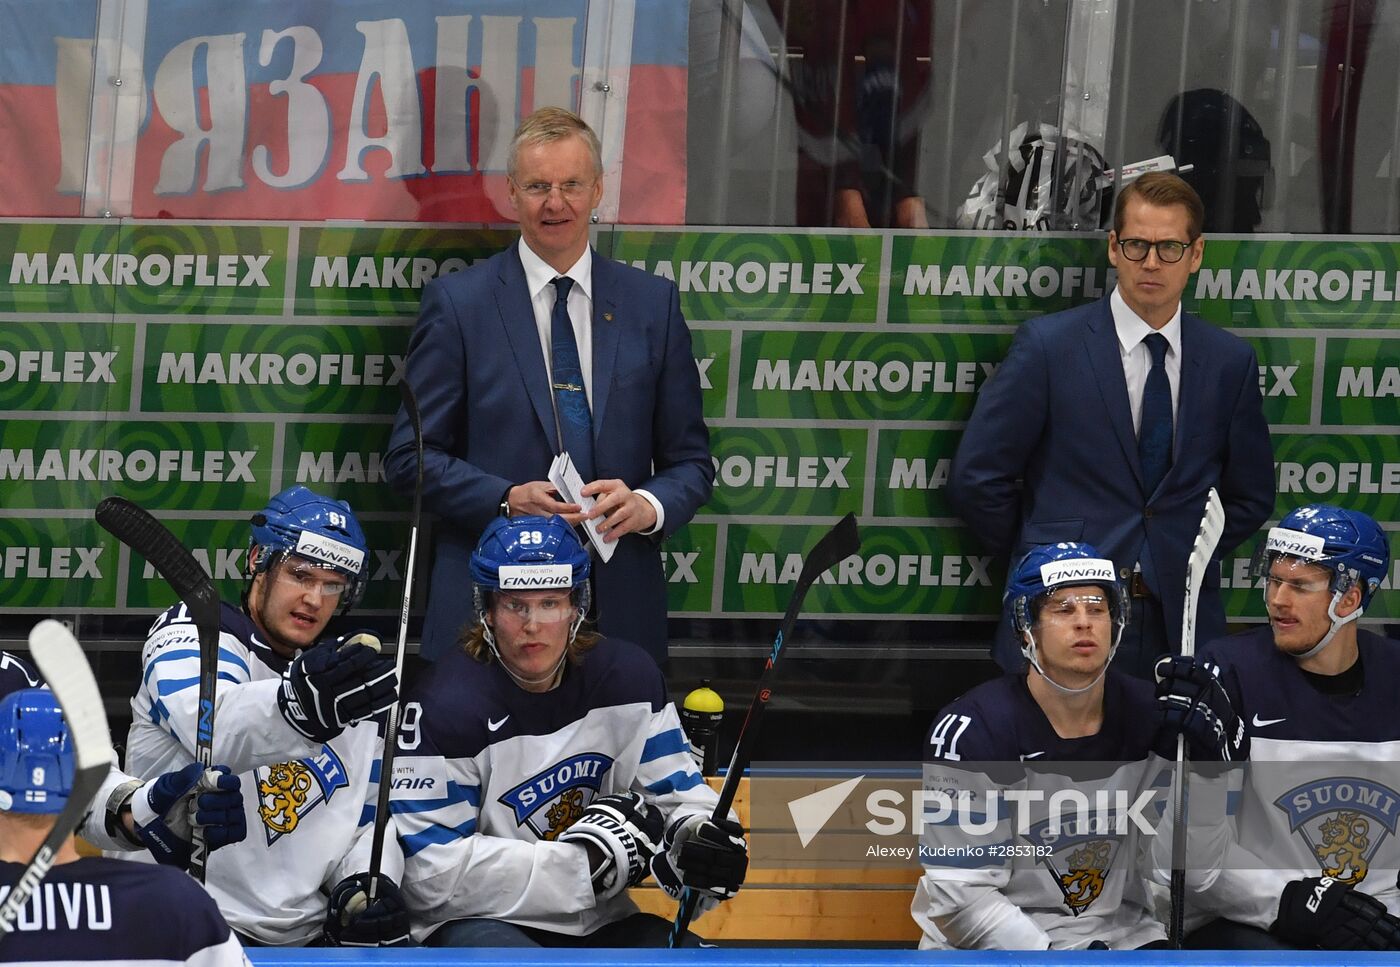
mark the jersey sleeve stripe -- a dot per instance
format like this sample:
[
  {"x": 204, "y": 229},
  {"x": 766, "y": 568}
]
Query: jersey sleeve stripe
[
  {"x": 667, "y": 743},
  {"x": 456, "y": 795},
  {"x": 179, "y": 685},
  {"x": 435, "y": 835},
  {"x": 224, "y": 656},
  {"x": 367, "y": 816},
  {"x": 675, "y": 782}
]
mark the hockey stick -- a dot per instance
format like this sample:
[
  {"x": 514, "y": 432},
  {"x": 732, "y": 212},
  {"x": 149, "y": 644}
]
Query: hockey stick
[
  {"x": 1212, "y": 524},
  {"x": 64, "y": 666},
  {"x": 151, "y": 539},
  {"x": 391, "y": 725},
  {"x": 839, "y": 543}
]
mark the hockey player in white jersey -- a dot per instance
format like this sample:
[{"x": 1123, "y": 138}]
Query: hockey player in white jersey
[
  {"x": 295, "y": 718},
  {"x": 1309, "y": 858},
  {"x": 93, "y": 909},
  {"x": 542, "y": 770},
  {"x": 129, "y": 814},
  {"x": 1044, "y": 886}
]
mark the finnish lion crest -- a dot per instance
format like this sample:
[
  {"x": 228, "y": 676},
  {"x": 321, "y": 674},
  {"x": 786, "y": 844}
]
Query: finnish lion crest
[
  {"x": 1343, "y": 821},
  {"x": 288, "y": 791},
  {"x": 1088, "y": 866}
]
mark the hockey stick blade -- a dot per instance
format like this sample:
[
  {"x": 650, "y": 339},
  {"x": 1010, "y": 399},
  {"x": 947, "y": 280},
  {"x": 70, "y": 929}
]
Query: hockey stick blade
[
  {"x": 1207, "y": 539},
  {"x": 391, "y": 725},
  {"x": 839, "y": 543},
  {"x": 64, "y": 666},
  {"x": 148, "y": 537}
]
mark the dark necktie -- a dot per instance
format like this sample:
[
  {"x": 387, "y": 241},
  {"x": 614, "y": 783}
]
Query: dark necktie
[
  {"x": 570, "y": 399},
  {"x": 1155, "y": 428}
]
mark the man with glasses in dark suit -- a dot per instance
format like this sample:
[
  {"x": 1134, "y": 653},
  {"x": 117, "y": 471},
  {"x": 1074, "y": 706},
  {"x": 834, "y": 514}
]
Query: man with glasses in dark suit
[{"x": 1108, "y": 423}]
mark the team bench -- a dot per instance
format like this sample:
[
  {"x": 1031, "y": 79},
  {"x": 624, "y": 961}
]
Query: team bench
[{"x": 849, "y": 907}]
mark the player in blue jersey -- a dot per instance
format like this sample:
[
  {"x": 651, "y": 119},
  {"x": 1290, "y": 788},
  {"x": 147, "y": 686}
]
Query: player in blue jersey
[
  {"x": 94, "y": 909},
  {"x": 542, "y": 770},
  {"x": 1081, "y": 887},
  {"x": 129, "y": 814},
  {"x": 1309, "y": 858},
  {"x": 295, "y": 718}
]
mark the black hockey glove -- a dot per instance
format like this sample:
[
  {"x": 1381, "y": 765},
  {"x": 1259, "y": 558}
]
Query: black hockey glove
[
  {"x": 352, "y": 920},
  {"x": 626, "y": 831},
  {"x": 1192, "y": 702},
  {"x": 708, "y": 855},
  {"x": 164, "y": 810},
  {"x": 1327, "y": 914},
  {"x": 336, "y": 684}
]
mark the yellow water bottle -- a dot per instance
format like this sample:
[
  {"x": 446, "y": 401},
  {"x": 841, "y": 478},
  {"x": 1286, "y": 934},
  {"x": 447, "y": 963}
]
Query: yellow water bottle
[{"x": 700, "y": 716}]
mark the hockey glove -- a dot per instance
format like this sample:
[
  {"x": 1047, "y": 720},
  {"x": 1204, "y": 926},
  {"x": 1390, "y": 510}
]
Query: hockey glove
[
  {"x": 165, "y": 809},
  {"x": 336, "y": 684},
  {"x": 626, "y": 830},
  {"x": 709, "y": 856},
  {"x": 353, "y": 920},
  {"x": 1192, "y": 702},
  {"x": 1327, "y": 914}
]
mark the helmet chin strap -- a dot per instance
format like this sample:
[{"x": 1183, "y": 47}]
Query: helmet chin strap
[
  {"x": 1337, "y": 623},
  {"x": 1033, "y": 656}
]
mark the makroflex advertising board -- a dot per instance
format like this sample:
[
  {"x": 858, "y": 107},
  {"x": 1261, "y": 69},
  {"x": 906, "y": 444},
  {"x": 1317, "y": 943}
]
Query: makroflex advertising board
[{"x": 198, "y": 368}]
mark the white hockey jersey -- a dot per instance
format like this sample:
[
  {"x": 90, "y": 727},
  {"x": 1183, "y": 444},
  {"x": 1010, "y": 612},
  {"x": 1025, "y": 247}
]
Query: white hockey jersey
[
  {"x": 99, "y": 910},
  {"x": 488, "y": 775},
  {"x": 1320, "y": 795},
  {"x": 310, "y": 807}
]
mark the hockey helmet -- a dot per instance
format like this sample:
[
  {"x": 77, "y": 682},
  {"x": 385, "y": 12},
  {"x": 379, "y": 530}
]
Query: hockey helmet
[
  {"x": 323, "y": 531},
  {"x": 1029, "y": 188},
  {"x": 1346, "y": 542},
  {"x": 1053, "y": 566},
  {"x": 529, "y": 554},
  {"x": 36, "y": 756},
  {"x": 1228, "y": 155}
]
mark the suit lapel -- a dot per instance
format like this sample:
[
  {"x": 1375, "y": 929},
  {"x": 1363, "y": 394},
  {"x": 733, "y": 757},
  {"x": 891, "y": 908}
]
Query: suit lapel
[
  {"x": 518, "y": 321},
  {"x": 607, "y": 329},
  {"x": 1101, "y": 342}
]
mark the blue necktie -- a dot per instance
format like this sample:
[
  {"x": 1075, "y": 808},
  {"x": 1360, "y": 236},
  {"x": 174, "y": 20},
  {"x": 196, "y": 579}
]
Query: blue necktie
[
  {"x": 570, "y": 399},
  {"x": 1155, "y": 428}
]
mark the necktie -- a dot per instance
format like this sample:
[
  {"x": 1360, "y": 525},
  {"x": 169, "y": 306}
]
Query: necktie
[
  {"x": 1155, "y": 427},
  {"x": 570, "y": 399}
]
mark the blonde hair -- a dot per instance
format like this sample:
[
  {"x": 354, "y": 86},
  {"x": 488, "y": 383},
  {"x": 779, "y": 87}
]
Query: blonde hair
[
  {"x": 1162, "y": 189},
  {"x": 550, "y": 124}
]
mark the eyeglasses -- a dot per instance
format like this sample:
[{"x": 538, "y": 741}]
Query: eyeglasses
[
  {"x": 310, "y": 580},
  {"x": 1169, "y": 250},
  {"x": 1067, "y": 608},
  {"x": 539, "y": 190},
  {"x": 1273, "y": 585},
  {"x": 542, "y": 611}
]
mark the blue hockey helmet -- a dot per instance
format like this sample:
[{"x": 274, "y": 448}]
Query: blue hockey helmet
[
  {"x": 529, "y": 554},
  {"x": 36, "y": 756},
  {"x": 1346, "y": 542},
  {"x": 1052, "y": 566},
  {"x": 318, "y": 529}
]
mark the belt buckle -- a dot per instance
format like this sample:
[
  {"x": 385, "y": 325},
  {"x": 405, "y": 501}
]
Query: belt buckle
[{"x": 1137, "y": 587}]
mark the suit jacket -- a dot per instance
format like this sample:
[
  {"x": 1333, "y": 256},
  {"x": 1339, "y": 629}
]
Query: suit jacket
[
  {"x": 479, "y": 376},
  {"x": 1055, "y": 416}
]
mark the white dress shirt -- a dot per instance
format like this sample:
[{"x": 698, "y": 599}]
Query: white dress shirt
[
  {"x": 539, "y": 280},
  {"x": 1137, "y": 358}
]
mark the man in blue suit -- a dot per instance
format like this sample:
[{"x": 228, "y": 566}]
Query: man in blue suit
[
  {"x": 1108, "y": 423},
  {"x": 545, "y": 347}
]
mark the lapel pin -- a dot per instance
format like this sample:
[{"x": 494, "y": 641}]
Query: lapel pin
[{"x": 607, "y": 316}]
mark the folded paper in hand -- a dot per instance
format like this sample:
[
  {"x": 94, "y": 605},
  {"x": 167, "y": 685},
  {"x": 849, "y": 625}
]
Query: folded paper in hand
[{"x": 567, "y": 481}]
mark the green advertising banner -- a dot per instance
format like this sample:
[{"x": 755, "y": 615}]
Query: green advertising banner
[
  {"x": 381, "y": 272},
  {"x": 782, "y": 472},
  {"x": 907, "y": 572},
  {"x": 689, "y": 558},
  {"x": 1361, "y": 383},
  {"x": 854, "y": 375},
  {"x": 49, "y": 367},
  {"x": 762, "y": 276},
  {"x": 341, "y": 368},
  {"x": 197, "y": 368}
]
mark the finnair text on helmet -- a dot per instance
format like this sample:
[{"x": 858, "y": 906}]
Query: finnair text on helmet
[
  {"x": 1082, "y": 569},
  {"x": 328, "y": 550},
  {"x": 1296, "y": 544},
  {"x": 534, "y": 577}
]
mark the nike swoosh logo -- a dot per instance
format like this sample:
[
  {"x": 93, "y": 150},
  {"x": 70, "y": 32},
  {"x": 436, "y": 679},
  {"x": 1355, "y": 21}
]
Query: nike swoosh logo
[
  {"x": 1261, "y": 723},
  {"x": 1031, "y": 755},
  {"x": 493, "y": 726}
]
